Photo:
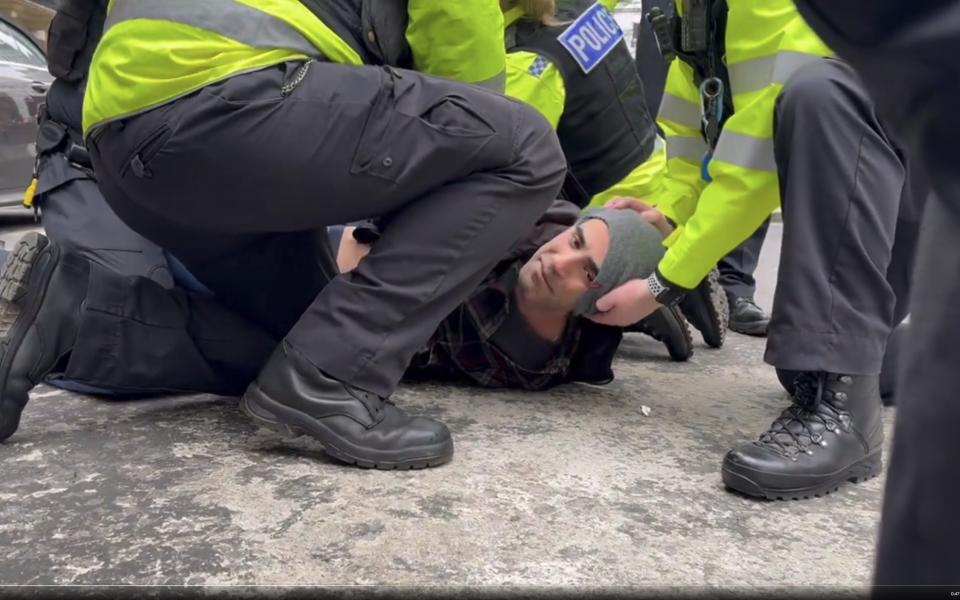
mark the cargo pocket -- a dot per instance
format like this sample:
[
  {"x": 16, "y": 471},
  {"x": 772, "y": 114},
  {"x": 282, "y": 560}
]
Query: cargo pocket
[
  {"x": 375, "y": 153},
  {"x": 453, "y": 115},
  {"x": 404, "y": 127},
  {"x": 141, "y": 159}
]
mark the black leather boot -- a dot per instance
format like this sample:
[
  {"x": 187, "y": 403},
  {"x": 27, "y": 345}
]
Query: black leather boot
[
  {"x": 45, "y": 290},
  {"x": 788, "y": 379},
  {"x": 748, "y": 318},
  {"x": 706, "y": 309},
  {"x": 832, "y": 434},
  {"x": 667, "y": 325},
  {"x": 354, "y": 426}
]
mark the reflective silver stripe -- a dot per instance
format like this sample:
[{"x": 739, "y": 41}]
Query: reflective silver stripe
[
  {"x": 691, "y": 148},
  {"x": 746, "y": 151},
  {"x": 497, "y": 83},
  {"x": 676, "y": 109},
  {"x": 659, "y": 144},
  {"x": 758, "y": 73},
  {"x": 230, "y": 19}
]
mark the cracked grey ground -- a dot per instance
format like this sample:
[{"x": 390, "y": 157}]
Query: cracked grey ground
[{"x": 571, "y": 487}]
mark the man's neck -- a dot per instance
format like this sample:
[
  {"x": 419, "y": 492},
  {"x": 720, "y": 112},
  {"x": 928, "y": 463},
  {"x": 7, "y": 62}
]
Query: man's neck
[{"x": 549, "y": 325}]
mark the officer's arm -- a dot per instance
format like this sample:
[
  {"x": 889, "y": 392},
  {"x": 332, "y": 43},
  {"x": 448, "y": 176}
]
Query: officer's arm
[
  {"x": 679, "y": 118},
  {"x": 461, "y": 39},
  {"x": 644, "y": 182},
  {"x": 536, "y": 81},
  {"x": 734, "y": 204}
]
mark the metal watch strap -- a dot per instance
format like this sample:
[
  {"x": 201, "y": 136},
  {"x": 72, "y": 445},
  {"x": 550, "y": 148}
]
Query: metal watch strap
[{"x": 664, "y": 294}]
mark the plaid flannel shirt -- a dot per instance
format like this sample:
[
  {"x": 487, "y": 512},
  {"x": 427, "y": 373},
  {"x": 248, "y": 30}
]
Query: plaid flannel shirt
[{"x": 460, "y": 348}]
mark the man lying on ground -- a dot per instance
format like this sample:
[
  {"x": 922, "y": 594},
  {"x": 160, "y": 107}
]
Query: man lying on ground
[
  {"x": 132, "y": 335},
  {"x": 525, "y": 326}
]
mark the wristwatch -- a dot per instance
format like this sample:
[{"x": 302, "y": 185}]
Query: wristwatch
[{"x": 665, "y": 294}]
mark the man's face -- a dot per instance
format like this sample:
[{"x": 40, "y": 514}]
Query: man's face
[{"x": 565, "y": 267}]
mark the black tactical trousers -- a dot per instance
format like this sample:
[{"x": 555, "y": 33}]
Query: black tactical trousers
[
  {"x": 74, "y": 214},
  {"x": 461, "y": 172},
  {"x": 907, "y": 55},
  {"x": 841, "y": 184},
  {"x": 139, "y": 338},
  {"x": 140, "y": 335}
]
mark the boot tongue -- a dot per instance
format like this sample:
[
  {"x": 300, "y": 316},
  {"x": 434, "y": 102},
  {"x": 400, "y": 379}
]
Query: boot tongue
[
  {"x": 802, "y": 424},
  {"x": 809, "y": 390},
  {"x": 372, "y": 402}
]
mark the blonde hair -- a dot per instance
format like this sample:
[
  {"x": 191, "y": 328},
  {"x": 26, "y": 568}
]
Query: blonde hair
[{"x": 537, "y": 10}]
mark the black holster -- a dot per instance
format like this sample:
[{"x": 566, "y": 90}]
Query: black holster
[{"x": 56, "y": 137}]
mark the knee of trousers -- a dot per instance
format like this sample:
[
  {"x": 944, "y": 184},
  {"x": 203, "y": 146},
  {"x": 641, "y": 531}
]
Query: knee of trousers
[
  {"x": 818, "y": 90},
  {"x": 538, "y": 157}
]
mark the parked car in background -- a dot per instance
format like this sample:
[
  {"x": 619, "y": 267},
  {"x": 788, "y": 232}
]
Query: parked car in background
[
  {"x": 31, "y": 16},
  {"x": 24, "y": 81}
]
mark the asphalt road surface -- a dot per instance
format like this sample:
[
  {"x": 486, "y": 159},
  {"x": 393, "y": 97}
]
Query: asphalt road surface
[{"x": 580, "y": 486}]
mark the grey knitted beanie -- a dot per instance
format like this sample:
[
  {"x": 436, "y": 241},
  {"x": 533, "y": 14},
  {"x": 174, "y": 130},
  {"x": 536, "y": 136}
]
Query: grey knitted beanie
[{"x": 636, "y": 248}]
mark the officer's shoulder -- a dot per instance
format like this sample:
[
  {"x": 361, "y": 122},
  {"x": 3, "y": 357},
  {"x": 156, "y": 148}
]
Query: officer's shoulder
[
  {"x": 531, "y": 62},
  {"x": 591, "y": 36}
]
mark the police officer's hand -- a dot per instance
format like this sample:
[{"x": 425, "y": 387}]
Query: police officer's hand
[
  {"x": 626, "y": 304},
  {"x": 649, "y": 213},
  {"x": 632, "y": 301}
]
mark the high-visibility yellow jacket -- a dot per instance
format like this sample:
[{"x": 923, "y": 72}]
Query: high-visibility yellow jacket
[
  {"x": 545, "y": 89},
  {"x": 766, "y": 42},
  {"x": 154, "y": 51}
]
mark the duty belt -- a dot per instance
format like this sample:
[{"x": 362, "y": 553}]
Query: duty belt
[{"x": 53, "y": 136}]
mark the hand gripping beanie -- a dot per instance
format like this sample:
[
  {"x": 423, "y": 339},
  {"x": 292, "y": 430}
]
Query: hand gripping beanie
[{"x": 636, "y": 248}]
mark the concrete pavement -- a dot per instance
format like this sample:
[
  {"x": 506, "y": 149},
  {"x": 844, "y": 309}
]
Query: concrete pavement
[{"x": 575, "y": 487}]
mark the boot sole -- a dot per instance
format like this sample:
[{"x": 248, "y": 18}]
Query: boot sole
[
  {"x": 14, "y": 279},
  {"x": 863, "y": 470},
  {"x": 715, "y": 310},
  {"x": 683, "y": 352},
  {"x": 719, "y": 307},
  {"x": 293, "y": 423},
  {"x": 21, "y": 291}
]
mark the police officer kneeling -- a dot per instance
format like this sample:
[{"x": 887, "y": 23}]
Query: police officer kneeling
[{"x": 213, "y": 143}]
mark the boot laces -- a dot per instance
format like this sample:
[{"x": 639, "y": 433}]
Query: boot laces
[
  {"x": 816, "y": 409},
  {"x": 371, "y": 401}
]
